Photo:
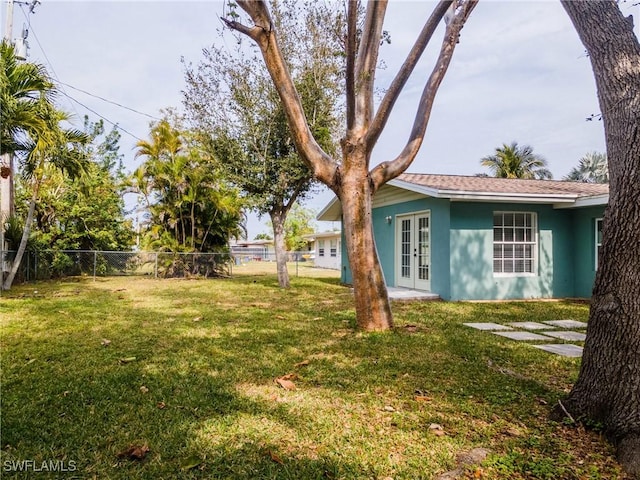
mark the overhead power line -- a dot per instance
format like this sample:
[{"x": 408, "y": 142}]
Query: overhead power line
[
  {"x": 101, "y": 116},
  {"x": 109, "y": 101}
]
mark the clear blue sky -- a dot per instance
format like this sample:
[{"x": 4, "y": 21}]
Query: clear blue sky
[{"x": 519, "y": 74}]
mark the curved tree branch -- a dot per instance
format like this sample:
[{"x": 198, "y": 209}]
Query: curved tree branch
[
  {"x": 366, "y": 62},
  {"x": 323, "y": 166},
  {"x": 351, "y": 48},
  {"x": 390, "y": 97},
  {"x": 391, "y": 169}
]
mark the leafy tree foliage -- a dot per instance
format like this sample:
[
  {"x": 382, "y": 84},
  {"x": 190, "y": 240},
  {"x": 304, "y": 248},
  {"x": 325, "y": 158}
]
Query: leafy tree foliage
[
  {"x": 86, "y": 213},
  {"x": 35, "y": 131},
  {"x": 592, "y": 168},
  {"x": 24, "y": 87},
  {"x": 190, "y": 206},
  {"x": 299, "y": 223},
  {"x": 233, "y": 104},
  {"x": 515, "y": 161}
]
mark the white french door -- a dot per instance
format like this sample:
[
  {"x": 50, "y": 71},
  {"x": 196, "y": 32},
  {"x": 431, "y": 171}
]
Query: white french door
[{"x": 413, "y": 251}]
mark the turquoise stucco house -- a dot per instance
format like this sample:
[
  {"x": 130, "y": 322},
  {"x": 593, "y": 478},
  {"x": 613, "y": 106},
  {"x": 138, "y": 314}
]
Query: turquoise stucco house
[{"x": 482, "y": 238}]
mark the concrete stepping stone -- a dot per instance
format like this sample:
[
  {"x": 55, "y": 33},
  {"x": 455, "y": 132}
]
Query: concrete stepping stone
[
  {"x": 521, "y": 335},
  {"x": 566, "y": 323},
  {"x": 487, "y": 326},
  {"x": 568, "y": 335},
  {"x": 528, "y": 325},
  {"x": 564, "y": 349}
]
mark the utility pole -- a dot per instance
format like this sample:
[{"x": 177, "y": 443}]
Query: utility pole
[{"x": 6, "y": 166}]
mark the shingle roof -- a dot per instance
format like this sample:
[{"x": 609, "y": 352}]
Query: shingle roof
[{"x": 458, "y": 183}]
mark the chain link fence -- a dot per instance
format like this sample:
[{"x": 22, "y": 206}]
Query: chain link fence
[{"x": 51, "y": 264}]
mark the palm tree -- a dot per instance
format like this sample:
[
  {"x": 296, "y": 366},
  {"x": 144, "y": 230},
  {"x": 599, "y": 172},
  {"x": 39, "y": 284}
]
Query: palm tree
[
  {"x": 592, "y": 168},
  {"x": 50, "y": 148},
  {"x": 22, "y": 85},
  {"x": 514, "y": 161}
]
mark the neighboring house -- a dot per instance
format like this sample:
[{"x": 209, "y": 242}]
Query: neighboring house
[
  {"x": 479, "y": 238},
  {"x": 326, "y": 248},
  {"x": 260, "y": 250}
]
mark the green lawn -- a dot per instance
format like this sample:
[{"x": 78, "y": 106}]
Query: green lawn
[{"x": 188, "y": 368}]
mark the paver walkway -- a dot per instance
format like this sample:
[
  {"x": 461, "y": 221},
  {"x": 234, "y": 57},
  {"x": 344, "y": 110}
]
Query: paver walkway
[{"x": 522, "y": 331}]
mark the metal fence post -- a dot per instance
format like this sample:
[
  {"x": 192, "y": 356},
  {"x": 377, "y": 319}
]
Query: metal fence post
[
  {"x": 155, "y": 270},
  {"x": 95, "y": 263}
]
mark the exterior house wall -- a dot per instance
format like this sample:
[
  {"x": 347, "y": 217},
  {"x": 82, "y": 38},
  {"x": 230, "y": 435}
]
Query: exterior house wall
[
  {"x": 462, "y": 249},
  {"x": 327, "y": 261},
  {"x": 385, "y": 235},
  {"x": 472, "y": 276},
  {"x": 584, "y": 249}
]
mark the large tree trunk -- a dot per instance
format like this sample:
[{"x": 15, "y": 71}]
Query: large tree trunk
[
  {"x": 23, "y": 241},
  {"x": 607, "y": 391},
  {"x": 277, "y": 220},
  {"x": 373, "y": 311}
]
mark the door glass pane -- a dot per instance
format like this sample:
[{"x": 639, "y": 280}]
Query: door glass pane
[
  {"x": 405, "y": 252},
  {"x": 423, "y": 248}
]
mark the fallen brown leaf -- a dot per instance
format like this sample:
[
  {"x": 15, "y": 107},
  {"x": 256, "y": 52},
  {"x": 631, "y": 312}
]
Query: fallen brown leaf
[
  {"x": 280, "y": 317},
  {"x": 423, "y": 398},
  {"x": 289, "y": 376},
  {"x": 275, "y": 458},
  {"x": 437, "y": 430},
  {"x": 161, "y": 405},
  {"x": 197, "y": 319},
  {"x": 105, "y": 342},
  {"x": 286, "y": 384},
  {"x": 144, "y": 389},
  {"x": 134, "y": 452},
  {"x": 303, "y": 363}
]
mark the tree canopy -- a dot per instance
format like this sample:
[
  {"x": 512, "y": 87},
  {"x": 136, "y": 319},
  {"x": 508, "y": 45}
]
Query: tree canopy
[
  {"x": 517, "y": 161},
  {"x": 236, "y": 109},
  {"x": 189, "y": 206},
  {"x": 592, "y": 168}
]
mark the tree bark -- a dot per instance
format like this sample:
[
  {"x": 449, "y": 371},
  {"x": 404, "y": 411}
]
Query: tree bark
[
  {"x": 277, "y": 220},
  {"x": 373, "y": 310},
  {"x": 607, "y": 391}
]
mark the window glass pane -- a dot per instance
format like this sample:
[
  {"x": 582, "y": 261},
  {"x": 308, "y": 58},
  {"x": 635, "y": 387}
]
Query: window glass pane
[
  {"x": 508, "y": 251},
  {"x": 497, "y": 266},
  {"x": 508, "y": 234},
  {"x": 497, "y": 235},
  {"x": 508, "y": 219},
  {"x": 519, "y": 219},
  {"x": 518, "y": 251},
  {"x": 497, "y": 251},
  {"x": 519, "y": 235},
  {"x": 528, "y": 251},
  {"x": 508, "y": 266},
  {"x": 497, "y": 219}
]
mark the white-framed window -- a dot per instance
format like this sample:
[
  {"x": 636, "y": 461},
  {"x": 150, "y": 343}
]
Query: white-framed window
[
  {"x": 515, "y": 243},
  {"x": 321, "y": 248},
  {"x": 334, "y": 247},
  {"x": 598, "y": 242}
]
